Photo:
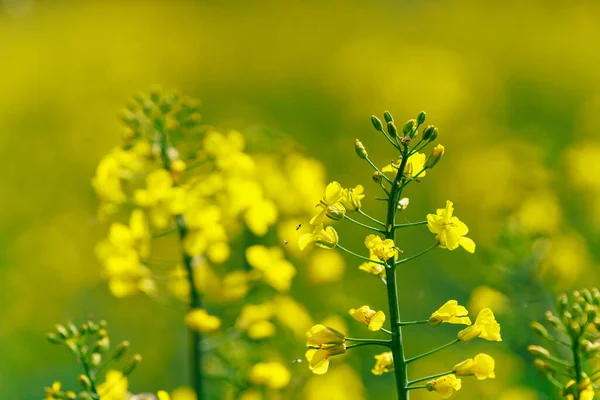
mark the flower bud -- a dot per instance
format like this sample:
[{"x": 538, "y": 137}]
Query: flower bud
[
  {"x": 587, "y": 295},
  {"x": 403, "y": 203},
  {"x": 430, "y": 133},
  {"x": 92, "y": 327},
  {"x": 553, "y": 320},
  {"x": 62, "y": 331},
  {"x": 596, "y": 296},
  {"x": 73, "y": 329},
  {"x": 376, "y": 123},
  {"x": 54, "y": 338},
  {"x": 435, "y": 156},
  {"x": 70, "y": 395},
  {"x": 95, "y": 359},
  {"x": 121, "y": 350},
  {"x": 538, "y": 351},
  {"x": 575, "y": 327},
  {"x": 131, "y": 365},
  {"x": 102, "y": 345},
  {"x": 377, "y": 177},
  {"x": 543, "y": 366},
  {"x": 562, "y": 303},
  {"x": 539, "y": 329},
  {"x": 388, "y": 116},
  {"x": 360, "y": 149},
  {"x": 84, "y": 396},
  {"x": 409, "y": 126},
  {"x": 392, "y": 130},
  {"x": 84, "y": 381},
  {"x": 421, "y": 117}
]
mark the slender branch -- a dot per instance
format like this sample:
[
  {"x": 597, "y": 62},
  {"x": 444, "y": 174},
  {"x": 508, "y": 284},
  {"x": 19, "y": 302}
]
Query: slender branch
[
  {"x": 430, "y": 377},
  {"x": 363, "y": 225},
  {"x": 384, "y": 189},
  {"x": 378, "y": 170},
  {"x": 418, "y": 148},
  {"x": 379, "y": 343},
  {"x": 88, "y": 372},
  {"x": 426, "y": 321},
  {"x": 383, "y": 279},
  {"x": 370, "y": 341},
  {"x": 359, "y": 256},
  {"x": 364, "y": 214},
  {"x": 410, "y": 224},
  {"x": 414, "y": 177},
  {"x": 415, "y": 358},
  {"x": 386, "y": 331},
  {"x": 416, "y": 255},
  {"x": 416, "y": 387}
]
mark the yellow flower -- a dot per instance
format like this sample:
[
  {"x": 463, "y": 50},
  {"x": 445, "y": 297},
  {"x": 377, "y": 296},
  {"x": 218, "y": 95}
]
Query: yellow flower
[
  {"x": 276, "y": 271},
  {"x": 485, "y": 327},
  {"x": 323, "y": 342},
  {"x": 586, "y": 390},
  {"x": 199, "y": 320},
  {"x": 54, "y": 391},
  {"x": 450, "y": 230},
  {"x": 382, "y": 249},
  {"x": 320, "y": 336},
  {"x": 373, "y": 268},
  {"x": 158, "y": 197},
  {"x": 114, "y": 387},
  {"x": 486, "y": 297},
  {"x": 435, "y": 156},
  {"x": 372, "y": 319},
  {"x": 414, "y": 165},
  {"x": 234, "y": 286},
  {"x": 450, "y": 313},
  {"x": 292, "y": 315},
  {"x": 260, "y": 216},
  {"x": 270, "y": 374},
  {"x": 482, "y": 366},
  {"x": 254, "y": 320},
  {"x": 352, "y": 197},
  {"x": 162, "y": 395},
  {"x": 326, "y": 238},
  {"x": 318, "y": 359},
  {"x": 384, "y": 362},
  {"x": 445, "y": 386},
  {"x": 330, "y": 205}
]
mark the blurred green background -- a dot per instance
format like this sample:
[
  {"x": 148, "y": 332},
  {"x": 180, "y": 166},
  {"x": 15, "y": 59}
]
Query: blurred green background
[{"x": 513, "y": 87}]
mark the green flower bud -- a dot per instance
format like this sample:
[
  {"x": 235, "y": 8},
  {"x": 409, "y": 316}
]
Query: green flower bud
[
  {"x": 102, "y": 345},
  {"x": 409, "y": 126},
  {"x": 421, "y": 117},
  {"x": 596, "y": 296},
  {"x": 121, "y": 350},
  {"x": 376, "y": 123},
  {"x": 538, "y": 351},
  {"x": 96, "y": 359},
  {"x": 85, "y": 382},
  {"x": 429, "y": 132},
  {"x": 84, "y": 396},
  {"x": 435, "y": 156},
  {"x": 539, "y": 329},
  {"x": 70, "y": 395},
  {"x": 360, "y": 149},
  {"x": 392, "y": 130},
  {"x": 54, "y": 338},
  {"x": 73, "y": 329},
  {"x": 62, "y": 331},
  {"x": 543, "y": 366},
  {"x": 553, "y": 320},
  {"x": 562, "y": 303},
  {"x": 92, "y": 327},
  {"x": 377, "y": 177},
  {"x": 388, "y": 117},
  {"x": 587, "y": 295},
  {"x": 132, "y": 364}
]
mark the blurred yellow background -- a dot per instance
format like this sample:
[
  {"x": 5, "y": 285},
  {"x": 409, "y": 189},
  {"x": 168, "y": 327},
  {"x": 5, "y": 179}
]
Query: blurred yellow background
[{"x": 514, "y": 88}]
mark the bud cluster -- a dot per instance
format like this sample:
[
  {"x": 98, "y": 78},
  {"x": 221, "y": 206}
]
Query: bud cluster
[
  {"x": 573, "y": 325},
  {"x": 90, "y": 344}
]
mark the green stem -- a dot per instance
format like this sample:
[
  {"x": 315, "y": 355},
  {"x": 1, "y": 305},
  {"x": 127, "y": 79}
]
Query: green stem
[
  {"x": 577, "y": 360},
  {"x": 366, "y": 342},
  {"x": 400, "y": 365},
  {"x": 88, "y": 372},
  {"x": 410, "y": 224},
  {"x": 386, "y": 331},
  {"x": 195, "y": 297},
  {"x": 430, "y": 377},
  {"x": 416, "y": 387},
  {"x": 415, "y": 358},
  {"x": 416, "y": 255},
  {"x": 416, "y": 149},
  {"x": 359, "y": 256},
  {"x": 378, "y": 170},
  {"x": 363, "y": 225},
  {"x": 414, "y": 322},
  {"x": 414, "y": 177},
  {"x": 364, "y": 214}
]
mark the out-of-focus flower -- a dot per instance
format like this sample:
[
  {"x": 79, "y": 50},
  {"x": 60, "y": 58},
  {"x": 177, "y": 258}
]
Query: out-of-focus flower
[
  {"x": 255, "y": 320},
  {"x": 325, "y": 267},
  {"x": 482, "y": 366},
  {"x": 485, "y": 327},
  {"x": 384, "y": 362},
  {"x": 199, "y": 320},
  {"x": 292, "y": 315},
  {"x": 372, "y": 319},
  {"x": 585, "y": 393},
  {"x": 540, "y": 213},
  {"x": 340, "y": 383},
  {"x": 275, "y": 270},
  {"x": 114, "y": 387},
  {"x": 450, "y": 231},
  {"x": 486, "y": 297},
  {"x": 270, "y": 374},
  {"x": 451, "y": 312},
  {"x": 445, "y": 386},
  {"x": 567, "y": 259},
  {"x": 382, "y": 249},
  {"x": 326, "y": 238}
]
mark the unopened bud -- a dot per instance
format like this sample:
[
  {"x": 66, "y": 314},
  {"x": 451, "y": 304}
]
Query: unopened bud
[
  {"x": 103, "y": 324},
  {"x": 403, "y": 203},
  {"x": 575, "y": 328},
  {"x": 84, "y": 381},
  {"x": 121, "y": 350},
  {"x": 102, "y": 332},
  {"x": 388, "y": 116},
  {"x": 596, "y": 296},
  {"x": 539, "y": 329},
  {"x": 177, "y": 169},
  {"x": 360, "y": 149},
  {"x": 553, "y": 320},
  {"x": 409, "y": 126},
  {"x": 543, "y": 366},
  {"x": 132, "y": 364},
  {"x": 392, "y": 130},
  {"x": 70, "y": 395},
  {"x": 377, "y": 177},
  {"x": 73, "y": 329},
  {"x": 102, "y": 345},
  {"x": 84, "y": 396},
  {"x": 421, "y": 117},
  {"x": 92, "y": 326},
  {"x": 587, "y": 295},
  {"x": 62, "y": 331},
  {"x": 538, "y": 351},
  {"x": 54, "y": 338},
  {"x": 435, "y": 156},
  {"x": 430, "y": 133},
  {"x": 376, "y": 123},
  {"x": 562, "y": 302},
  {"x": 96, "y": 359}
]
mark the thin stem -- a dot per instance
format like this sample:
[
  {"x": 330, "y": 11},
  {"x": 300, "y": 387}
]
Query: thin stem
[
  {"x": 88, "y": 372},
  {"x": 559, "y": 361},
  {"x": 390, "y": 140},
  {"x": 369, "y": 341},
  {"x": 416, "y": 255},
  {"x": 418, "y": 148},
  {"x": 363, "y": 225},
  {"x": 416, "y": 387},
  {"x": 379, "y": 343},
  {"x": 359, "y": 256},
  {"x": 383, "y": 279},
  {"x": 415, "y": 358},
  {"x": 384, "y": 189},
  {"x": 386, "y": 331},
  {"x": 426, "y": 321},
  {"x": 577, "y": 359},
  {"x": 410, "y": 224},
  {"x": 364, "y": 214},
  {"x": 430, "y": 377},
  {"x": 378, "y": 170},
  {"x": 414, "y": 177}
]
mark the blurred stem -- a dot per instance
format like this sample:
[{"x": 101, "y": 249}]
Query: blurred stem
[
  {"x": 88, "y": 372},
  {"x": 577, "y": 360},
  {"x": 392, "y": 289},
  {"x": 195, "y": 297},
  {"x": 416, "y": 255},
  {"x": 415, "y": 358},
  {"x": 425, "y": 321},
  {"x": 372, "y": 228}
]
